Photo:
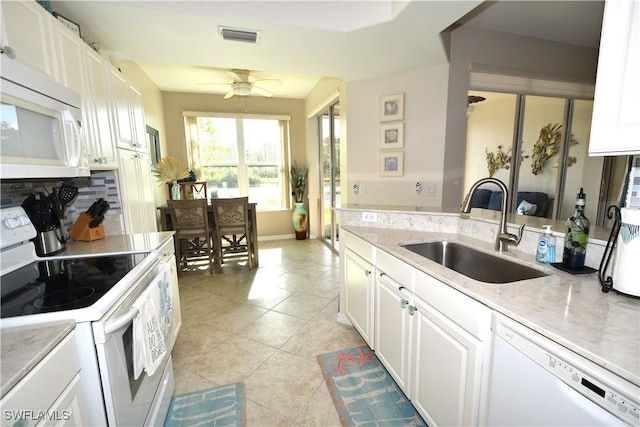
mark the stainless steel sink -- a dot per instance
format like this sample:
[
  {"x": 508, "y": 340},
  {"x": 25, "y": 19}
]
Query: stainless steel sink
[{"x": 474, "y": 264}]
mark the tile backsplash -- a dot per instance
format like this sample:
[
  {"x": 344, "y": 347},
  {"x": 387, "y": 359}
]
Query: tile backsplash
[{"x": 101, "y": 184}]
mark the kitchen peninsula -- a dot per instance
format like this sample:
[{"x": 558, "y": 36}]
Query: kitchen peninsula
[{"x": 570, "y": 310}]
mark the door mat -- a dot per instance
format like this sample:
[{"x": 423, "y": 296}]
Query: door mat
[
  {"x": 363, "y": 392},
  {"x": 218, "y": 406}
]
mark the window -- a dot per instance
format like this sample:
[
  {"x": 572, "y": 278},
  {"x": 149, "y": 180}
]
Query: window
[{"x": 241, "y": 155}]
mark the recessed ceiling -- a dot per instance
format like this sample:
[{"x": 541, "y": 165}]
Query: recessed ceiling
[{"x": 177, "y": 43}]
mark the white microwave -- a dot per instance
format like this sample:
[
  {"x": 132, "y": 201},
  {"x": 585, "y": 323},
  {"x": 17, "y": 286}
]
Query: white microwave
[{"x": 40, "y": 126}]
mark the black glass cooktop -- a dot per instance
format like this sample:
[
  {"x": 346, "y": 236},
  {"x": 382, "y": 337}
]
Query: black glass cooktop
[{"x": 64, "y": 284}]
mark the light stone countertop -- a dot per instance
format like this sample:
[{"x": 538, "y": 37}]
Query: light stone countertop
[
  {"x": 23, "y": 347},
  {"x": 118, "y": 244},
  {"x": 568, "y": 309}
]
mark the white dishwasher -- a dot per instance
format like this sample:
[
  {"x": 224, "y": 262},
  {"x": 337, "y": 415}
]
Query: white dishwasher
[{"x": 535, "y": 381}]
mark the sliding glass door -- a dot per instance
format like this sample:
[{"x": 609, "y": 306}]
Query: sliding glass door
[{"x": 329, "y": 144}]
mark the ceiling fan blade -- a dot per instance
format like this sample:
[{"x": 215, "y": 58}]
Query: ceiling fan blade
[
  {"x": 229, "y": 94},
  {"x": 239, "y": 75},
  {"x": 262, "y": 91}
]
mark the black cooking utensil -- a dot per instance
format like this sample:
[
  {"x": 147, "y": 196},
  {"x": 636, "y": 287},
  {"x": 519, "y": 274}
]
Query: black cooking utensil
[{"x": 67, "y": 194}]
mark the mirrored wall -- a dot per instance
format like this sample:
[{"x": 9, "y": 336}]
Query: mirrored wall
[{"x": 538, "y": 146}]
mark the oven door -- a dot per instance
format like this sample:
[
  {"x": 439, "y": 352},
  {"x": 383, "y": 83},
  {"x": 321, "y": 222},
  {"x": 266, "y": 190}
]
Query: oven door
[{"x": 130, "y": 401}]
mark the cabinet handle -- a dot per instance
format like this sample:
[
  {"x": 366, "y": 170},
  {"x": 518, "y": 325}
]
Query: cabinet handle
[
  {"x": 403, "y": 303},
  {"x": 382, "y": 273},
  {"x": 400, "y": 288},
  {"x": 412, "y": 309},
  {"x": 367, "y": 273}
]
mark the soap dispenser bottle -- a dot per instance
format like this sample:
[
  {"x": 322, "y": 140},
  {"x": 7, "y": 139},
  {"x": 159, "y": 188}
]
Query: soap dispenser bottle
[
  {"x": 575, "y": 243},
  {"x": 546, "y": 252}
]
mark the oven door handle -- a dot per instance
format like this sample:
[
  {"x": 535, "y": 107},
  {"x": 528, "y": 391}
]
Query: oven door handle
[{"x": 121, "y": 321}]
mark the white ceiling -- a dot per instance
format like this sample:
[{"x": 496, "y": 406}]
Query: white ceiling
[{"x": 176, "y": 43}]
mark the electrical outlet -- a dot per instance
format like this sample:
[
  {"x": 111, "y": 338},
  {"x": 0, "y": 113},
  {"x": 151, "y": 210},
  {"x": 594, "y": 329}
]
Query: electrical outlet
[
  {"x": 356, "y": 189},
  {"x": 430, "y": 189},
  {"x": 369, "y": 216},
  {"x": 418, "y": 187}
]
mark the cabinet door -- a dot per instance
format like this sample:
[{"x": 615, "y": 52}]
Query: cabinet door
[
  {"x": 100, "y": 145},
  {"x": 121, "y": 107},
  {"x": 393, "y": 314},
  {"x": 359, "y": 294},
  {"x": 615, "y": 126},
  {"x": 27, "y": 30},
  {"x": 69, "y": 409},
  {"x": 446, "y": 369},
  {"x": 138, "y": 122},
  {"x": 136, "y": 191}
]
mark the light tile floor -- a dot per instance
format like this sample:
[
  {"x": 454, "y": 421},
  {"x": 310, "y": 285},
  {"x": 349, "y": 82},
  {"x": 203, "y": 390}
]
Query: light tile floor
[{"x": 265, "y": 328}]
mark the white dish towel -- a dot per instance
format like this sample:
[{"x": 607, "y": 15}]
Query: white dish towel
[{"x": 149, "y": 345}]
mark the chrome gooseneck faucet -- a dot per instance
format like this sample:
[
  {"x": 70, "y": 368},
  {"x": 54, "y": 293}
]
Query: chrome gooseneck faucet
[{"x": 504, "y": 238}]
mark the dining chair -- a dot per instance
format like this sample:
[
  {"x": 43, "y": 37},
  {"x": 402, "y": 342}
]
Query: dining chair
[
  {"x": 194, "y": 235},
  {"x": 232, "y": 230}
]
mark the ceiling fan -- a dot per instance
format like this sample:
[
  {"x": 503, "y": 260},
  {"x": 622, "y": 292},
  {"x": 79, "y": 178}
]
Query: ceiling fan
[{"x": 243, "y": 86}]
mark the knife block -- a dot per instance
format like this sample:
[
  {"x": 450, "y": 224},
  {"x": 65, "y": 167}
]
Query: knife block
[{"x": 81, "y": 231}]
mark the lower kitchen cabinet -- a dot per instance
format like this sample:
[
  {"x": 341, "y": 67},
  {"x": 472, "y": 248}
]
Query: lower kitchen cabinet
[
  {"x": 50, "y": 393},
  {"x": 359, "y": 279},
  {"x": 447, "y": 369},
  {"x": 393, "y": 320}
]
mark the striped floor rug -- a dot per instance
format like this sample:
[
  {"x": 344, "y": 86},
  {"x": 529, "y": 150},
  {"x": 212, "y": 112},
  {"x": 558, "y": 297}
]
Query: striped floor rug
[
  {"x": 218, "y": 406},
  {"x": 363, "y": 392}
]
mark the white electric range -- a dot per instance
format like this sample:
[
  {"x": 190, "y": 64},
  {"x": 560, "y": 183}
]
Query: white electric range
[{"x": 97, "y": 292}]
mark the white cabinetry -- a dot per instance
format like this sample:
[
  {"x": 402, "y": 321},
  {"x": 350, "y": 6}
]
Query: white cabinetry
[
  {"x": 393, "y": 320},
  {"x": 136, "y": 192},
  {"x": 615, "y": 126},
  {"x": 26, "y": 29},
  {"x": 100, "y": 143},
  {"x": 451, "y": 333},
  {"x": 51, "y": 388},
  {"x": 128, "y": 114},
  {"x": 359, "y": 285}
]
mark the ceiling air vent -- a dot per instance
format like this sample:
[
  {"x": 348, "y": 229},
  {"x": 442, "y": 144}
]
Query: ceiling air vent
[{"x": 239, "y": 35}]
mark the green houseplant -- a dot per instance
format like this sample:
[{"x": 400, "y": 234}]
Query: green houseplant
[{"x": 298, "y": 179}]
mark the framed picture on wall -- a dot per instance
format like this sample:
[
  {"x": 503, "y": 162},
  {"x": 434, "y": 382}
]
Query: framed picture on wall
[
  {"x": 392, "y": 136},
  {"x": 392, "y": 108},
  {"x": 392, "y": 163}
]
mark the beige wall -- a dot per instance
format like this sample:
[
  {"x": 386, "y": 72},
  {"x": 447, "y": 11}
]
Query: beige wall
[
  {"x": 425, "y": 92},
  {"x": 272, "y": 224}
]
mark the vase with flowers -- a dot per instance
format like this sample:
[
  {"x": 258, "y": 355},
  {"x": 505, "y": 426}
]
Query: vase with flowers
[
  {"x": 170, "y": 170},
  {"x": 298, "y": 179}
]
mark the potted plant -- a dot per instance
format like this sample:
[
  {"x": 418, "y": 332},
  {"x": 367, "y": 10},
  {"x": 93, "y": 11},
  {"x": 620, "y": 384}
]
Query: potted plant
[
  {"x": 170, "y": 170},
  {"x": 298, "y": 178}
]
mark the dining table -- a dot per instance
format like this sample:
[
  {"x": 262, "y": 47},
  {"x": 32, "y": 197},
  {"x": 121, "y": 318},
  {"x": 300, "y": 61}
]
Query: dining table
[{"x": 167, "y": 225}]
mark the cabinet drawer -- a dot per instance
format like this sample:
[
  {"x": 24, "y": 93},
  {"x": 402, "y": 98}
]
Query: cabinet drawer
[
  {"x": 42, "y": 386},
  {"x": 363, "y": 249},
  {"x": 469, "y": 314},
  {"x": 399, "y": 270}
]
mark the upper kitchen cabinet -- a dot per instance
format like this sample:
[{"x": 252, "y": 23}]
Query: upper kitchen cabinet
[
  {"x": 615, "y": 128},
  {"x": 128, "y": 114},
  {"x": 26, "y": 30},
  {"x": 101, "y": 149}
]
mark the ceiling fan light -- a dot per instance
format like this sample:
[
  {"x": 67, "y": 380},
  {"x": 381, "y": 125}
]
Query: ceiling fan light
[{"x": 242, "y": 88}]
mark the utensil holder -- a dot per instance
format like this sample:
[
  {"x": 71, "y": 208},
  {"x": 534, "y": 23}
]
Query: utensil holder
[{"x": 81, "y": 231}]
